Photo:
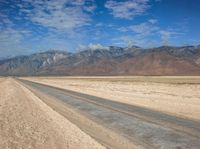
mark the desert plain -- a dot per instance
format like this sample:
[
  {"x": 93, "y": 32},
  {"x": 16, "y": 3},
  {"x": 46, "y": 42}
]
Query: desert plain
[{"x": 27, "y": 122}]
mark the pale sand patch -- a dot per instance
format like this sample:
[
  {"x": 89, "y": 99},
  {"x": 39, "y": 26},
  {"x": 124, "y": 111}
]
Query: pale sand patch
[
  {"x": 1, "y": 79},
  {"x": 26, "y": 122},
  {"x": 179, "y": 99}
]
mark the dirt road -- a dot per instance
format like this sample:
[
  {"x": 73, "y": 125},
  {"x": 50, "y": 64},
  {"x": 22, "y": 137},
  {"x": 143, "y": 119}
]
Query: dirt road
[
  {"x": 28, "y": 123},
  {"x": 145, "y": 128},
  {"x": 175, "y": 95}
]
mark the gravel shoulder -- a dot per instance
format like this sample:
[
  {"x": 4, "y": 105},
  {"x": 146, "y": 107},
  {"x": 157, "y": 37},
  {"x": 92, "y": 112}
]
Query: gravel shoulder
[{"x": 26, "y": 122}]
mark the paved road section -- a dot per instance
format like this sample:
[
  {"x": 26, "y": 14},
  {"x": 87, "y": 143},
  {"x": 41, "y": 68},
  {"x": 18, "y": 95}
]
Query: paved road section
[{"x": 148, "y": 128}]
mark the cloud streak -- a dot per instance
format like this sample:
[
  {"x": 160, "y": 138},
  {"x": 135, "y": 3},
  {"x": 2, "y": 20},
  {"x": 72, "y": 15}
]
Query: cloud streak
[
  {"x": 142, "y": 34},
  {"x": 63, "y": 15},
  {"x": 127, "y": 9}
]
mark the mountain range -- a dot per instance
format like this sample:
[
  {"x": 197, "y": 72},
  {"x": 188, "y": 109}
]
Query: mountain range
[{"x": 164, "y": 60}]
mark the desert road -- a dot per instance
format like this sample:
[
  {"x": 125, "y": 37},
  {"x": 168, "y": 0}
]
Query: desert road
[{"x": 119, "y": 125}]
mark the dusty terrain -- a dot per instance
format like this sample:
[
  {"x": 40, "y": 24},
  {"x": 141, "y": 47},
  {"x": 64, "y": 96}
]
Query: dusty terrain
[
  {"x": 174, "y": 95},
  {"x": 26, "y": 122}
]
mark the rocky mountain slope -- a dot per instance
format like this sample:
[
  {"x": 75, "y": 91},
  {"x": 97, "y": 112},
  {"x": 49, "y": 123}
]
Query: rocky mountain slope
[{"x": 163, "y": 60}]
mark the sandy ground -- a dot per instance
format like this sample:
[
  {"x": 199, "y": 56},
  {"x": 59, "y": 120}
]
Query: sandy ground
[
  {"x": 174, "y": 95},
  {"x": 1, "y": 79},
  {"x": 26, "y": 122}
]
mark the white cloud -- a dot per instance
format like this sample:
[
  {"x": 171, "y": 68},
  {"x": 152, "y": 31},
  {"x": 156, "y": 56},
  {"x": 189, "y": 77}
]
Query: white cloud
[
  {"x": 166, "y": 35},
  {"x": 63, "y": 15},
  {"x": 127, "y": 9},
  {"x": 153, "y": 21},
  {"x": 92, "y": 46},
  {"x": 127, "y": 40},
  {"x": 61, "y": 20},
  {"x": 123, "y": 29},
  {"x": 96, "y": 46},
  {"x": 146, "y": 34},
  {"x": 58, "y": 17},
  {"x": 130, "y": 41},
  {"x": 143, "y": 29},
  {"x": 10, "y": 35},
  {"x": 99, "y": 24},
  {"x": 139, "y": 34},
  {"x": 10, "y": 41},
  {"x": 142, "y": 33}
]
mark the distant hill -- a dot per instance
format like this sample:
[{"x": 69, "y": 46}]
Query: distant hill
[{"x": 165, "y": 60}]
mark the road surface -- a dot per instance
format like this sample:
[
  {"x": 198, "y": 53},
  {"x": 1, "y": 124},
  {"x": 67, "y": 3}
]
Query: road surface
[{"x": 144, "y": 128}]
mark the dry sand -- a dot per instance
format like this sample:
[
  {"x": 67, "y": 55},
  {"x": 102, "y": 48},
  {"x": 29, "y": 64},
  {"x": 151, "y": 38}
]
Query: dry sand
[
  {"x": 26, "y": 122},
  {"x": 174, "y": 95}
]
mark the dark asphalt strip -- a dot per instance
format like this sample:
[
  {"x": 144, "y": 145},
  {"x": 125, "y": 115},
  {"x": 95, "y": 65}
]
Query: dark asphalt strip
[{"x": 136, "y": 123}]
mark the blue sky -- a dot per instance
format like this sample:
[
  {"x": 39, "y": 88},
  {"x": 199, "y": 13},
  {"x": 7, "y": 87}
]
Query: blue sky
[{"x": 29, "y": 26}]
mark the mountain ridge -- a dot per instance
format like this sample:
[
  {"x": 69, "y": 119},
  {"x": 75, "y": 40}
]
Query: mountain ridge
[{"x": 164, "y": 60}]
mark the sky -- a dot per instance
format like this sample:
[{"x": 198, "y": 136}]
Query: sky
[{"x": 30, "y": 26}]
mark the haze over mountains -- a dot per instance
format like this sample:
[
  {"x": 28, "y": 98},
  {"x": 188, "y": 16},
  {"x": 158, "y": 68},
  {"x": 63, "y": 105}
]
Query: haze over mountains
[{"x": 165, "y": 60}]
